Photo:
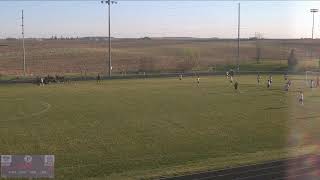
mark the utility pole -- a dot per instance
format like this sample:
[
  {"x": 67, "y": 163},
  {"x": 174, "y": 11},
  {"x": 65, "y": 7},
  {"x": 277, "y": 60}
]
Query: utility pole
[
  {"x": 313, "y": 11},
  {"x": 109, "y": 2},
  {"x": 24, "y": 50},
  {"x": 238, "y": 49}
]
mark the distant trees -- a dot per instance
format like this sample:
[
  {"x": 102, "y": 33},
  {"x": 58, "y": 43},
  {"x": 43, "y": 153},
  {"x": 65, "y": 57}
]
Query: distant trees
[
  {"x": 292, "y": 59},
  {"x": 190, "y": 60},
  {"x": 145, "y": 38},
  {"x": 54, "y": 37},
  {"x": 11, "y": 39}
]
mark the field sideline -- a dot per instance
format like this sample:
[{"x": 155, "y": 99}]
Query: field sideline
[{"x": 157, "y": 127}]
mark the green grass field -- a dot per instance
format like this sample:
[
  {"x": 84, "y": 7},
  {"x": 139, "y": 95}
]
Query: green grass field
[{"x": 145, "y": 128}]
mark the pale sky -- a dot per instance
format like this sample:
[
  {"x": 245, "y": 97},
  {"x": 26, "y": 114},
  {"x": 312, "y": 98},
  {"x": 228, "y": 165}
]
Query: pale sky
[{"x": 133, "y": 19}]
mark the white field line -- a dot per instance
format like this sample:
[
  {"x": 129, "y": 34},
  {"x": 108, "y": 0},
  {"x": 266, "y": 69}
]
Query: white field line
[{"x": 45, "y": 104}]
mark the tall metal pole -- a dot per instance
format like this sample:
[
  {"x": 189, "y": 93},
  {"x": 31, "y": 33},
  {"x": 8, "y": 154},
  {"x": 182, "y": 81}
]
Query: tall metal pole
[
  {"x": 110, "y": 65},
  {"x": 313, "y": 11},
  {"x": 312, "y": 24},
  {"x": 238, "y": 51},
  {"x": 24, "y": 51}
]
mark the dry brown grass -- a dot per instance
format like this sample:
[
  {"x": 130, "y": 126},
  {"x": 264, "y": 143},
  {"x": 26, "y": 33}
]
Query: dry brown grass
[{"x": 74, "y": 56}]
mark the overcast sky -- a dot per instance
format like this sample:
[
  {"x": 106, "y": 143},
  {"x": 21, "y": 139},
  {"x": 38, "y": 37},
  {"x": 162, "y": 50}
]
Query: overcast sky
[{"x": 273, "y": 19}]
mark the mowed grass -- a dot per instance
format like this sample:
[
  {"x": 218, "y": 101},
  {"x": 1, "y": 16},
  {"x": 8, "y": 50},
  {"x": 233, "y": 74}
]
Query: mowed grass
[{"x": 129, "y": 128}]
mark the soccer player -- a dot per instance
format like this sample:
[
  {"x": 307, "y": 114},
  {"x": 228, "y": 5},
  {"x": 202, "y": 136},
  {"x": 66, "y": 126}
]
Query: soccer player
[
  {"x": 289, "y": 82},
  {"x": 270, "y": 78},
  {"x": 311, "y": 83},
  {"x": 231, "y": 79},
  {"x": 180, "y": 77},
  {"x": 236, "y": 86},
  {"x": 287, "y": 86},
  {"x": 98, "y": 79},
  {"x": 300, "y": 97},
  {"x": 198, "y": 80},
  {"x": 269, "y": 83},
  {"x": 41, "y": 81},
  {"x": 231, "y": 73},
  {"x": 258, "y": 79}
]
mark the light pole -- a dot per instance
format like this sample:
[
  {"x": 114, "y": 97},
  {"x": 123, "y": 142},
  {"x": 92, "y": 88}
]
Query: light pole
[
  {"x": 109, "y": 2},
  {"x": 238, "y": 49},
  {"x": 313, "y": 11},
  {"x": 24, "y": 50}
]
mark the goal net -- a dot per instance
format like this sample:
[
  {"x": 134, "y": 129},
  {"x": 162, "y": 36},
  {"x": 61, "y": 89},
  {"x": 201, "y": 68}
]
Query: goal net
[{"x": 312, "y": 78}]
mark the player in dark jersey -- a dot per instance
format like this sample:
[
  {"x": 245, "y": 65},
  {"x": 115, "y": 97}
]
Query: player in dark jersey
[
  {"x": 236, "y": 85},
  {"x": 98, "y": 79}
]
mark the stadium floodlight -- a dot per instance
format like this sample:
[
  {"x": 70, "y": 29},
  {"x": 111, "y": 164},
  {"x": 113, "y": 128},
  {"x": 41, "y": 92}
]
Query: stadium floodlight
[
  {"x": 109, "y": 2},
  {"x": 238, "y": 47},
  {"x": 313, "y": 11}
]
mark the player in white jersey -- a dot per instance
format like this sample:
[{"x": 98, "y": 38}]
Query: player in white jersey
[
  {"x": 198, "y": 80},
  {"x": 269, "y": 83},
  {"x": 300, "y": 97},
  {"x": 41, "y": 81},
  {"x": 258, "y": 79}
]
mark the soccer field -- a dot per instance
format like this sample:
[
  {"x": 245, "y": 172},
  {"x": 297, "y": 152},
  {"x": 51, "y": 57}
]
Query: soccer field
[{"x": 152, "y": 127}]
